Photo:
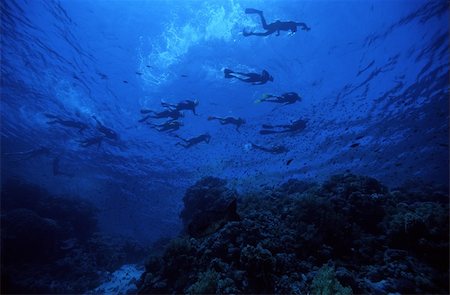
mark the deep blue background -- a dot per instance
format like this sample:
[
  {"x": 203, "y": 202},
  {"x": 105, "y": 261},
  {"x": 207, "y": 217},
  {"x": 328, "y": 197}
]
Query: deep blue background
[{"x": 377, "y": 69}]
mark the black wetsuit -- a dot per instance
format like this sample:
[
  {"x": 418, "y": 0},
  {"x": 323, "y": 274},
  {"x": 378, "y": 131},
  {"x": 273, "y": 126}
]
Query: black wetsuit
[
  {"x": 182, "y": 105},
  {"x": 229, "y": 120},
  {"x": 195, "y": 140},
  {"x": 253, "y": 78},
  {"x": 109, "y": 133},
  {"x": 67, "y": 123},
  {"x": 285, "y": 98},
  {"x": 278, "y": 149},
  {"x": 167, "y": 126},
  {"x": 170, "y": 113},
  {"x": 295, "y": 126},
  {"x": 274, "y": 27}
]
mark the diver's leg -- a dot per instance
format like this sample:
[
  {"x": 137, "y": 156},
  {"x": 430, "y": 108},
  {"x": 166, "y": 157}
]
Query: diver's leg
[
  {"x": 266, "y": 33},
  {"x": 263, "y": 20}
]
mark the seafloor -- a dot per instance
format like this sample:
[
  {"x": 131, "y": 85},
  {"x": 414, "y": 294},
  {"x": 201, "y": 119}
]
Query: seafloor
[{"x": 348, "y": 235}]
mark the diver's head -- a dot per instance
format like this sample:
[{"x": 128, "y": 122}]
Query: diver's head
[{"x": 196, "y": 102}]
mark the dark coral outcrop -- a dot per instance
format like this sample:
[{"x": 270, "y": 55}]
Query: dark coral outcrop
[{"x": 350, "y": 234}]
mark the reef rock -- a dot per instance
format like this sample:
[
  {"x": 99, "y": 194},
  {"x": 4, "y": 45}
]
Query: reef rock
[{"x": 208, "y": 206}]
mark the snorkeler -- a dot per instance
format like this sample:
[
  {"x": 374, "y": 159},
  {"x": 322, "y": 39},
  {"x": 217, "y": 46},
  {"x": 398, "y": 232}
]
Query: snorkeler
[
  {"x": 229, "y": 120},
  {"x": 91, "y": 141},
  {"x": 285, "y": 98},
  {"x": 170, "y": 113},
  {"x": 182, "y": 105},
  {"x": 67, "y": 123},
  {"x": 295, "y": 126},
  {"x": 167, "y": 126},
  {"x": 193, "y": 141},
  {"x": 274, "y": 27},
  {"x": 109, "y": 133},
  {"x": 278, "y": 149},
  {"x": 26, "y": 155},
  {"x": 254, "y": 78}
]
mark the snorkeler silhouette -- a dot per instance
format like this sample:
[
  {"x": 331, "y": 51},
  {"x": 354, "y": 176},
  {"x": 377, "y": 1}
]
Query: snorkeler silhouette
[
  {"x": 285, "y": 98},
  {"x": 295, "y": 126},
  {"x": 278, "y": 149},
  {"x": 182, "y": 105},
  {"x": 167, "y": 126},
  {"x": 67, "y": 123},
  {"x": 193, "y": 141},
  {"x": 274, "y": 27},
  {"x": 254, "y": 78},
  {"x": 228, "y": 120},
  {"x": 109, "y": 133},
  {"x": 170, "y": 113}
]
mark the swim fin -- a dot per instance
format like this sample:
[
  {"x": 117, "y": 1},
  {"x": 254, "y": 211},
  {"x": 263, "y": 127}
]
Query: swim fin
[
  {"x": 228, "y": 73},
  {"x": 252, "y": 10},
  {"x": 265, "y": 95},
  {"x": 258, "y": 100},
  {"x": 211, "y": 118}
]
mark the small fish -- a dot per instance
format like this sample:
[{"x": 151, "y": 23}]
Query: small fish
[
  {"x": 359, "y": 137},
  {"x": 149, "y": 66},
  {"x": 138, "y": 73},
  {"x": 184, "y": 76},
  {"x": 289, "y": 162},
  {"x": 125, "y": 81},
  {"x": 354, "y": 145}
]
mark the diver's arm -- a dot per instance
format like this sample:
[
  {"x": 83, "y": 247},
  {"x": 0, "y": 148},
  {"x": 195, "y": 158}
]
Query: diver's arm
[{"x": 303, "y": 26}]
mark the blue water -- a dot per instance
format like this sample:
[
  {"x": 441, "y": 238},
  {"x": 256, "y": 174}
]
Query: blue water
[{"x": 373, "y": 73}]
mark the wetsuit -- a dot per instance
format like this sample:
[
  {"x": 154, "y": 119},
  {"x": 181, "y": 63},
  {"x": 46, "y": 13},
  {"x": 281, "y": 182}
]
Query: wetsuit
[
  {"x": 173, "y": 114},
  {"x": 253, "y": 78},
  {"x": 167, "y": 126},
  {"x": 182, "y": 105},
  {"x": 274, "y": 27},
  {"x": 285, "y": 98},
  {"x": 195, "y": 140},
  {"x": 229, "y": 120},
  {"x": 295, "y": 126}
]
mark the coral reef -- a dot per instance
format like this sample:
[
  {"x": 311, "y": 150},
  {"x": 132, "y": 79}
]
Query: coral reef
[
  {"x": 50, "y": 244},
  {"x": 348, "y": 235}
]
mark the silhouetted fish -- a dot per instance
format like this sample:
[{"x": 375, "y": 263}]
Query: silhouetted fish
[
  {"x": 289, "y": 161},
  {"x": 354, "y": 145}
]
